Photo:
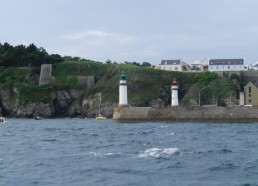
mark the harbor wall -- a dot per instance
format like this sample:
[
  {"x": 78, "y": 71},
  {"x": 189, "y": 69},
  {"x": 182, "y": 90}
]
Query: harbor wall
[{"x": 204, "y": 113}]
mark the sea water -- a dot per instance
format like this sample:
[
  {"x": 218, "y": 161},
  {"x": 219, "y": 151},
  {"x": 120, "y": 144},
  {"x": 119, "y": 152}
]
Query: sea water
[{"x": 78, "y": 152}]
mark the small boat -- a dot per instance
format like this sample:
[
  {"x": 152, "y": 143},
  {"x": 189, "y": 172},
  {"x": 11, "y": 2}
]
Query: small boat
[
  {"x": 2, "y": 119},
  {"x": 38, "y": 118},
  {"x": 100, "y": 117}
]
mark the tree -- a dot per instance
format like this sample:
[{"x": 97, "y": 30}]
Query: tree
[
  {"x": 204, "y": 78},
  {"x": 108, "y": 61},
  {"x": 32, "y": 48},
  {"x": 235, "y": 76},
  {"x": 76, "y": 59},
  {"x": 68, "y": 58},
  {"x": 136, "y": 64},
  {"x": 146, "y": 64}
]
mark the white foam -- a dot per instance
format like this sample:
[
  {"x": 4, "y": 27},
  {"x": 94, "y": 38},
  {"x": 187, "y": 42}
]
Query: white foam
[
  {"x": 171, "y": 134},
  {"x": 102, "y": 154},
  {"x": 98, "y": 154},
  {"x": 162, "y": 126},
  {"x": 157, "y": 153}
]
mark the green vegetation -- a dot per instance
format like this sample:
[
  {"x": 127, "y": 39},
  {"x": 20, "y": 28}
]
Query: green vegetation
[
  {"x": 20, "y": 64},
  {"x": 84, "y": 68},
  {"x": 11, "y": 75},
  {"x": 22, "y": 56},
  {"x": 29, "y": 93}
]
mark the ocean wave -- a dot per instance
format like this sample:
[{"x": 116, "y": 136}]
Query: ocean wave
[
  {"x": 49, "y": 140},
  {"x": 158, "y": 153},
  {"x": 103, "y": 154},
  {"x": 224, "y": 166},
  {"x": 145, "y": 132},
  {"x": 162, "y": 126}
]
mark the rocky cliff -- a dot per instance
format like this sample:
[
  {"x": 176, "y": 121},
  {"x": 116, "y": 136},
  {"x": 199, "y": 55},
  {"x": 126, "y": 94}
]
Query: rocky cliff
[{"x": 62, "y": 103}]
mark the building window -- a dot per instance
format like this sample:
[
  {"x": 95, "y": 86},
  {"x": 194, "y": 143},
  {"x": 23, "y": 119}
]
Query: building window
[
  {"x": 250, "y": 89},
  {"x": 249, "y": 101},
  {"x": 228, "y": 67},
  {"x": 250, "y": 95},
  {"x": 176, "y": 68}
]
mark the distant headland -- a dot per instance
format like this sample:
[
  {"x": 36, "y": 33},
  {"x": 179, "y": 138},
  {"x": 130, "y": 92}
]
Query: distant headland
[{"x": 34, "y": 83}]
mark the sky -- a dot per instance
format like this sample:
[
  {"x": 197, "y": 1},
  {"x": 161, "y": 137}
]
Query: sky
[{"x": 134, "y": 30}]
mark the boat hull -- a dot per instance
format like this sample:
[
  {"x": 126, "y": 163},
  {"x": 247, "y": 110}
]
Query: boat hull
[
  {"x": 100, "y": 118},
  {"x": 3, "y": 119}
]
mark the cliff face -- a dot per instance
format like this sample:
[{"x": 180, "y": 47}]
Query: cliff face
[
  {"x": 9, "y": 101},
  {"x": 62, "y": 104}
]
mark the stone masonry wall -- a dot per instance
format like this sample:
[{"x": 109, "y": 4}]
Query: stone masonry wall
[
  {"x": 211, "y": 113},
  {"x": 45, "y": 74}
]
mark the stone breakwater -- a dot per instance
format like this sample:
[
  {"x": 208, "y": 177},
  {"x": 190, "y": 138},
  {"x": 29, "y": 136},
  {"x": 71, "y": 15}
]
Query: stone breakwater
[{"x": 204, "y": 113}]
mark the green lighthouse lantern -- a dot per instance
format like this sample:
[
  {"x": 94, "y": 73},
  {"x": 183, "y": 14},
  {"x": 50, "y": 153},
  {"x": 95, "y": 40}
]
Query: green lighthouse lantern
[
  {"x": 123, "y": 76},
  {"x": 123, "y": 90}
]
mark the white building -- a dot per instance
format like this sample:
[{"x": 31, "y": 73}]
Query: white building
[
  {"x": 227, "y": 65},
  {"x": 254, "y": 66},
  {"x": 202, "y": 65},
  {"x": 173, "y": 65}
]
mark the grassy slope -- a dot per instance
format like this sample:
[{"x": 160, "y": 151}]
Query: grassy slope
[{"x": 144, "y": 84}]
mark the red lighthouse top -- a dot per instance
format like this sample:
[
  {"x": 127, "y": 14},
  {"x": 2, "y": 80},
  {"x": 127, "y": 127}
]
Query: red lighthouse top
[{"x": 174, "y": 82}]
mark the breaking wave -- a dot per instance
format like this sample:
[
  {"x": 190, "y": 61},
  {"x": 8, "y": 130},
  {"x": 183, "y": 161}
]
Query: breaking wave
[
  {"x": 103, "y": 154},
  {"x": 159, "y": 153}
]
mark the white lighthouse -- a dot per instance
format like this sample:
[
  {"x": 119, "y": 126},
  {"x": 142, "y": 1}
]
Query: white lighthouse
[
  {"x": 174, "y": 93},
  {"x": 123, "y": 90}
]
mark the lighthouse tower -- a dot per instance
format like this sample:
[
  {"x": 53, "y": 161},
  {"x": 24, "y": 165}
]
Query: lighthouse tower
[
  {"x": 174, "y": 93},
  {"x": 123, "y": 90}
]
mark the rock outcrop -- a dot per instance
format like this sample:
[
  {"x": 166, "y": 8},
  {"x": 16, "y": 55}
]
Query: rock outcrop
[
  {"x": 63, "y": 103},
  {"x": 35, "y": 109},
  {"x": 9, "y": 102}
]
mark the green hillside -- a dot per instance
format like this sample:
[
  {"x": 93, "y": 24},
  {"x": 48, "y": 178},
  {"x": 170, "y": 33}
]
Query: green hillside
[
  {"x": 20, "y": 69},
  {"x": 73, "y": 92},
  {"x": 144, "y": 83}
]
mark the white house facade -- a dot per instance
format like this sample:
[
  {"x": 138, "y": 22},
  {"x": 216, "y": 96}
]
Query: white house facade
[
  {"x": 173, "y": 65},
  {"x": 254, "y": 66},
  {"x": 200, "y": 66},
  {"x": 227, "y": 65}
]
